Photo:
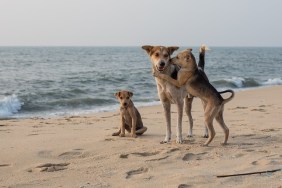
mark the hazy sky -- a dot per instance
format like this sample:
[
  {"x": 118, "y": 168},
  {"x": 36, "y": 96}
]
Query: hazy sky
[{"x": 139, "y": 22}]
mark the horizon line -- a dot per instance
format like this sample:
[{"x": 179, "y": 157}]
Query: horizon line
[{"x": 223, "y": 46}]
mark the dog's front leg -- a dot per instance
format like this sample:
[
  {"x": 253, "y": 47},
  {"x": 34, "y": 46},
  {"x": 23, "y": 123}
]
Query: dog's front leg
[
  {"x": 179, "y": 122},
  {"x": 166, "y": 106},
  {"x": 134, "y": 122},
  {"x": 122, "y": 125}
]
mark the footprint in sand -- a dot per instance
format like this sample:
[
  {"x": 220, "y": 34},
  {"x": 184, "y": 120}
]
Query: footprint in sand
[
  {"x": 70, "y": 154},
  {"x": 268, "y": 130},
  {"x": 266, "y": 162},
  {"x": 192, "y": 156},
  {"x": 45, "y": 154},
  {"x": 6, "y": 130},
  {"x": 4, "y": 165},
  {"x": 131, "y": 173},
  {"x": 123, "y": 156},
  {"x": 239, "y": 107},
  {"x": 158, "y": 159},
  {"x": 254, "y": 163},
  {"x": 249, "y": 150},
  {"x": 183, "y": 186},
  {"x": 173, "y": 150},
  {"x": 33, "y": 134},
  {"x": 146, "y": 154},
  {"x": 258, "y": 110},
  {"x": 50, "y": 167},
  {"x": 109, "y": 139},
  {"x": 238, "y": 155}
]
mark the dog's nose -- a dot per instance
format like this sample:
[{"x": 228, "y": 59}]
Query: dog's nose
[
  {"x": 162, "y": 63},
  {"x": 124, "y": 104}
]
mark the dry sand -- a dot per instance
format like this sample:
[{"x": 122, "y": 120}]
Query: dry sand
[{"x": 79, "y": 151}]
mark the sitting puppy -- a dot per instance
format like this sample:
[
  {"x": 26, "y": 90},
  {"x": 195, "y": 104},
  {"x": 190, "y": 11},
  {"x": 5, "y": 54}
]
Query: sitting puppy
[
  {"x": 130, "y": 117},
  {"x": 197, "y": 85}
]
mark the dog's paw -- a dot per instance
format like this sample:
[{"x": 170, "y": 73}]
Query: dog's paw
[
  {"x": 179, "y": 140},
  {"x": 223, "y": 143},
  {"x": 166, "y": 140},
  {"x": 205, "y": 136},
  {"x": 163, "y": 142},
  {"x": 116, "y": 134},
  {"x": 122, "y": 135},
  {"x": 206, "y": 133},
  {"x": 133, "y": 135},
  {"x": 203, "y": 145},
  {"x": 190, "y": 135}
]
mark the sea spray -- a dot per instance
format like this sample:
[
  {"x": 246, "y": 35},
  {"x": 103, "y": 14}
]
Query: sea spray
[
  {"x": 274, "y": 81},
  {"x": 9, "y": 105}
]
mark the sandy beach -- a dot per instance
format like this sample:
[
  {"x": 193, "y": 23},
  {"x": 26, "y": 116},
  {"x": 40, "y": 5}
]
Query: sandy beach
[{"x": 79, "y": 151}]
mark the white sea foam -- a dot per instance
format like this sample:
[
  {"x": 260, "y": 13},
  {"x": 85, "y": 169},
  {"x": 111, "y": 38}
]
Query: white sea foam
[
  {"x": 274, "y": 81},
  {"x": 9, "y": 105}
]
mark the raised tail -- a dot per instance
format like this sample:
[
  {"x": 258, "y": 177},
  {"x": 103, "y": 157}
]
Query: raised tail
[
  {"x": 202, "y": 51},
  {"x": 230, "y": 98}
]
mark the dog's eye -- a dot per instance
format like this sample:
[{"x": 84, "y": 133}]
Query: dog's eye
[
  {"x": 177, "y": 57},
  {"x": 166, "y": 55},
  {"x": 127, "y": 97},
  {"x": 157, "y": 54},
  {"x": 120, "y": 97}
]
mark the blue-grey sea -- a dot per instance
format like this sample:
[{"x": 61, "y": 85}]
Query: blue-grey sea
[{"x": 51, "y": 81}]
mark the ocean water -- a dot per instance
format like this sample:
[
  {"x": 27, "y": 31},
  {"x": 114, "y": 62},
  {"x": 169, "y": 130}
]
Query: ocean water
[{"x": 51, "y": 81}]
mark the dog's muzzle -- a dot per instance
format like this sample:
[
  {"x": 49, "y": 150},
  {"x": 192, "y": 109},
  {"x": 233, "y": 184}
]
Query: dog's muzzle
[{"x": 161, "y": 66}]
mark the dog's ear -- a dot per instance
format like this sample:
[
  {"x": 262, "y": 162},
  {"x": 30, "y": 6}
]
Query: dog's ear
[
  {"x": 171, "y": 49},
  {"x": 148, "y": 48},
  {"x": 130, "y": 94},
  {"x": 117, "y": 94},
  {"x": 189, "y": 49}
]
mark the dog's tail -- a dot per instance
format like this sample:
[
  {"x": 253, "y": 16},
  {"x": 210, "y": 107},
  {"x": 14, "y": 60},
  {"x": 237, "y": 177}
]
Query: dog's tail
[
  {"x": 230, "y": 98},
  {"x": 202, "y": 51}
]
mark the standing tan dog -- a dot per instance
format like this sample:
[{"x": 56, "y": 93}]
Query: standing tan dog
[
  {"x": 129, "y": 115},
  {"x": 197, "y": 85},
  {"x": 169, "y": 93}
]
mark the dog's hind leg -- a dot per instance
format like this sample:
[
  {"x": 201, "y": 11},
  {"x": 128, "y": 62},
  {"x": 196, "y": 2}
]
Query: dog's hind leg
[
  {"x": 220, "y": 120},
  {"x": 116, "y": 133},
  {"x": 141, "y": 131},
  {"x": 206, "y": 134},
  {"x": 188, "y": 108},
  {"x": 166, "y": 106},
  {"x": 210, "y": 113}
]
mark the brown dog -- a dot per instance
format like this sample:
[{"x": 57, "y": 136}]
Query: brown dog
[
  {"x": 168, "y": 93},
  {"x": 129, "y": 115},
  {"x": 197, "y": 85}
]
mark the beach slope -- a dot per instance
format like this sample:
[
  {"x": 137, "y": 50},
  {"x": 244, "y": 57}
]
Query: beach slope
[{"x": 79, "y": 151}]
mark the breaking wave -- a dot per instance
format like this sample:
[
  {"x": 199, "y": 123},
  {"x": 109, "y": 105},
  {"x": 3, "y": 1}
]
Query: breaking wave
[
  {"x": 9, "y": 105},
  {"x": 239, "y": 82}
]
